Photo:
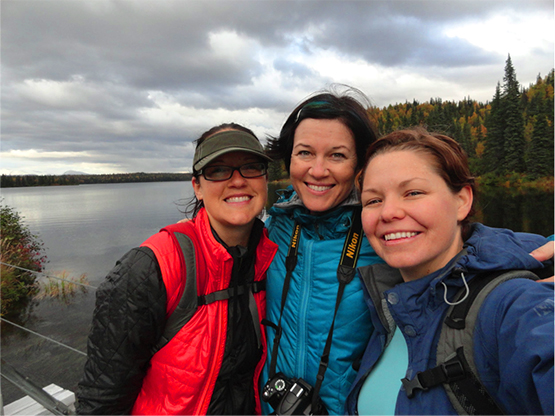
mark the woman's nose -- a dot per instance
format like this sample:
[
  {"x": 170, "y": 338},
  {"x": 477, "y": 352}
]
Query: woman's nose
[
  {"x": 318, "y": 168},
  {"x": 391, "y": 210},
  {"x": 237, "y": 178}
]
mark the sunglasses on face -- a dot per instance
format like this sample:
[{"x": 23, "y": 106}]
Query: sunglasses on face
[{"x": 223, "y": 173}]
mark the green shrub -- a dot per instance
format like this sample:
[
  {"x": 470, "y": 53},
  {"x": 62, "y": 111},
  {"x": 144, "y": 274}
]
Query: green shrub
[{"x": 19, "y": 248}]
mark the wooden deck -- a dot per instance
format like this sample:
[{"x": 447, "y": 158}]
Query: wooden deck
[{"x": 27, "y": 406}]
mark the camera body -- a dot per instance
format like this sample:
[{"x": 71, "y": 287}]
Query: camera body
[{"x": 291, "y": 396}]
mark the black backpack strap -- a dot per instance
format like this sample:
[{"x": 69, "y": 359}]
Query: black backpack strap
[
  {"x": 250, "y": 289},
  {"x": 456, "y": 369},
  {"x": 188, "y": 303},
  {"x": 230, "y": 292}
]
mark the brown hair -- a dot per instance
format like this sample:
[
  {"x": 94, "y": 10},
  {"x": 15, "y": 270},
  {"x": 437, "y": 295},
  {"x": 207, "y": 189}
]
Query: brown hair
[
  {"x": 450, "y": 160},
  {"x": 343, "y": 103}
]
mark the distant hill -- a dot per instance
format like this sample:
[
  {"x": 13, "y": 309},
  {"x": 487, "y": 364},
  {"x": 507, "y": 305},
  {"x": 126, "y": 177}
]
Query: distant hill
[{"x": 74, "y": 172}]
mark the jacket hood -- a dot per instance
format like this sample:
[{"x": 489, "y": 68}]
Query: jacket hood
[
  {"x": 487, "y": 249},
  {"x": 327, "y": 225},
  {"x": 289, "y": 199}
]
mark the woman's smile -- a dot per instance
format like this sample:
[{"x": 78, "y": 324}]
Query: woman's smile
[
  {"x": 238, "y": 199},
  {"x": 318, "y": 188},
  {"x": 399, "y": 235}
]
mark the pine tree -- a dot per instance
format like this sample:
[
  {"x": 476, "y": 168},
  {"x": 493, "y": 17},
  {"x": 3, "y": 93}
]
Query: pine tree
[
  {"x": 388, "y": 125},
  {"x": 494, "y": 153},
  {"x": 500, "y": 136},
  {"x": 513, "y": 134},
  {"x": 276, "y": 170},
  {"x": 539, "y": 113},
  {"x": 468, "y": 145},
  {"x": 540, "y": 156}
]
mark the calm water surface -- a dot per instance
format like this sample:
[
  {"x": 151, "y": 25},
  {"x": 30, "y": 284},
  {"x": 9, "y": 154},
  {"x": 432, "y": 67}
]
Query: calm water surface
[{"x": 86, "y": 228}]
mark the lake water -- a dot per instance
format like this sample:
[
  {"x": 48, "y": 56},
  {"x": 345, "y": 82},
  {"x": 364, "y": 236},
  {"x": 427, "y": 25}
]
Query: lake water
[{"x": 86, "y": 228}]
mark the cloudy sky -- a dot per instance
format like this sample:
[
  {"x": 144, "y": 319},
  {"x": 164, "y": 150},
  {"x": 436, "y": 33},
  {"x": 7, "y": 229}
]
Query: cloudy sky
[{"x": 126, "y": 86}]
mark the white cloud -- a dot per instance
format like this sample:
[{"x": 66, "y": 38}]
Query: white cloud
[
  {"x": 38, "y": 162},
  {"x": 38, "y": 154},
  {"x": 507, "y": 33},
  {"x": 231, "y": 46},
  {"x": 387, "y": 85},
  {"x": 167, "y": 113},
  {"x": 57, "y": 94}
]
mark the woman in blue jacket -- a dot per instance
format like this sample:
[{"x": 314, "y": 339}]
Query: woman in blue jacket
[
  {"x": 417, "y": 194},
  {"x": 322, "y": 143}
]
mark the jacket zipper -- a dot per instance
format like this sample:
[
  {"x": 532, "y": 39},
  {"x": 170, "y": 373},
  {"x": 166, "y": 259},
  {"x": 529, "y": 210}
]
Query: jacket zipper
[{"x": 305, "y": 283}]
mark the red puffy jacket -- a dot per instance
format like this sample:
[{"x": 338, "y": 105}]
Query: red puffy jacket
[{"x": 182, "y": 374}]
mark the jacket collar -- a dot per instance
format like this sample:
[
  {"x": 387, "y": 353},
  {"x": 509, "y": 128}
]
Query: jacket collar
[
  {"x": 328, "y": 225},
  {"x": 378, "y": 278},
  {"x": 289, "y": 199}
]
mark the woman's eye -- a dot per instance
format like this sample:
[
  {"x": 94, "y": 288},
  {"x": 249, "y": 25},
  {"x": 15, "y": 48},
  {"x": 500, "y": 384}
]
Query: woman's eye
[
  {"x": 338, "y": 156},
  {"x": 303, "y": 153},
  {"x": 414, "y": 193},
  {"x": 372, "y": 201},
  {"x": 253, "y": 168}
]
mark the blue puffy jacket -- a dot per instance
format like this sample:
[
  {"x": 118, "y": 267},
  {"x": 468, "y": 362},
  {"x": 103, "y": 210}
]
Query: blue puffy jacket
[
  {"x": 311, "y": 299},
  {"x": 513, "y": 338}
]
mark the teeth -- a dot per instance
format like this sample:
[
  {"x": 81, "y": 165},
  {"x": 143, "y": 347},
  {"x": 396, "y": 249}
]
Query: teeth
[
  {"x": 395, "y": 236},
  {"x": 320, "y": 188},
  {"x": 238, "y": 199}
]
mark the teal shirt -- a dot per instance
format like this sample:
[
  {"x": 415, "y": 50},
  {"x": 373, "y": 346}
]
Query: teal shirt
[{"x": 378, "y": 395}]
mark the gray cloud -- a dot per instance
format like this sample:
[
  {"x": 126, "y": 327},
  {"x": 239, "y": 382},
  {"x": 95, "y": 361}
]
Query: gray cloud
[{"x": 127, "y": 85}]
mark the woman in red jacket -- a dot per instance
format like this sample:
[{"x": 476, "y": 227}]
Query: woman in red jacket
[{"x": 212, "y": 364}]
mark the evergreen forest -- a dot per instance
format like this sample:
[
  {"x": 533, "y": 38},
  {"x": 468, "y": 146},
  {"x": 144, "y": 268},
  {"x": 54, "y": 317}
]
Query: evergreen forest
[
  {"x": 510, "y": 135},
  {"x": 10, "y": 181}
]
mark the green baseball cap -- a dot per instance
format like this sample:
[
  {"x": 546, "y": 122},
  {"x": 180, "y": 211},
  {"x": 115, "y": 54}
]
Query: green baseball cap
[{"x": 226, "y": 142}]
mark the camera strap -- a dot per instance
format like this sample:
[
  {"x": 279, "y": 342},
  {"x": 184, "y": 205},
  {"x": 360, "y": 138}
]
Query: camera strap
[
  {"x": 345, "y": 273},
  {"x": 290, "y": 264}
]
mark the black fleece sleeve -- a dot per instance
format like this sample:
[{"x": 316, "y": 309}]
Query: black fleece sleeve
[{"x": 128, "y": 320}]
